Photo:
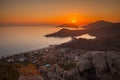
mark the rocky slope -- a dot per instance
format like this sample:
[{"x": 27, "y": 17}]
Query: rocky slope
[
  {"x": 100, "y": 66},
  {"x": 66, "y": 64},
  {"x": 94, "y": 65}
]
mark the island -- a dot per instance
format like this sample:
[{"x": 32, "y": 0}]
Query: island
[{"x": 73, "y": 25}]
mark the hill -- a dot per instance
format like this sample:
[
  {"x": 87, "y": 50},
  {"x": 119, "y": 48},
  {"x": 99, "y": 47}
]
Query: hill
[
  {"x": 98, "y": 29},
  {"x": 107, "y": 36}
]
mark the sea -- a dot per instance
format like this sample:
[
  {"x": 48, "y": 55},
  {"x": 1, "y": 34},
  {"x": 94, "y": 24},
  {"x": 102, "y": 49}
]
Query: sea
[{"x": 18, "y": 39}]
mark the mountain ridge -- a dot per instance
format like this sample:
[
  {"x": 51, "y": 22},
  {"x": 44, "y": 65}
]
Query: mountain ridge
[{"x": 92, "y": 28}]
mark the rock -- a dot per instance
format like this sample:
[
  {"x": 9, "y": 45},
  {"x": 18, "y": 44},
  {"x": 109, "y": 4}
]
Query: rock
[
  {"x": 113, "y": 60},
  {"x": 99, "y": 62},
  {"x": 100, "y": 65},
  {"x": 84, "y": 65},
  {"x": 106, "y": 76},
  {"x": 32, "y": 77},
  {"x": 71, "y": 75}
]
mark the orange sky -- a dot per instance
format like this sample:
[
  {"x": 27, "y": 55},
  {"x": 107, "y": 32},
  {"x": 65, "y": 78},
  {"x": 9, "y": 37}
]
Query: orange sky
[{"x": 58, "y": 11}]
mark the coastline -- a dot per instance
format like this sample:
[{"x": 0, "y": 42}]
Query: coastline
[{"x": 27, "y": 51}]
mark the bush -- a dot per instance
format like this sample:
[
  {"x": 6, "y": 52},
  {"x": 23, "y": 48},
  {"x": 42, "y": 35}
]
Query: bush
[
  {"x": 8, "y": 72},
  {"x": 29, "y": 69}
]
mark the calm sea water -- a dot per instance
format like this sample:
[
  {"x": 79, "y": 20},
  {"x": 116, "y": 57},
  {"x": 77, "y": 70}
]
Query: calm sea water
[{"x": 16, "y": 39}]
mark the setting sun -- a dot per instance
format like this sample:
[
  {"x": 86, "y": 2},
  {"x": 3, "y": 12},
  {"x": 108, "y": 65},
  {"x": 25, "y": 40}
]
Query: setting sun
[{"x": 73, "y": 21}]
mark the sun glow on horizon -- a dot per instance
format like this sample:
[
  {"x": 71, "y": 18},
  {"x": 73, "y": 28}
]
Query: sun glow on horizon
[{"x": 73, "y": 21}]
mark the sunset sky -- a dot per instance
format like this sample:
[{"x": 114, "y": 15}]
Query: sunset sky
[{"x": 58, "y": 11}]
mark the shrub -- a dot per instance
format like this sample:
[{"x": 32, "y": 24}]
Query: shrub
[{"x": 8, "y": 72}]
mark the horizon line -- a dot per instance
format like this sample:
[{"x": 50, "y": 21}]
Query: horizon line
[{"x": 49, "y": 24}]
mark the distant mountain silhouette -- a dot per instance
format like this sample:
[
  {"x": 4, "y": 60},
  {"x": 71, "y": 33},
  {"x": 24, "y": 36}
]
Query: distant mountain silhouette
[
  {"x": 98, "y": 24},
  {"x": 99, "y": 29},
  {"x": 107, "y": 36},
  {"x": 66, "y": 33},
  {"x": 69, "y": 25}
]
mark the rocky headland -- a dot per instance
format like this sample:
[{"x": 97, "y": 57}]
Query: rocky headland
[
  {"x": 100, "y": 29},
  {"x": 107, "y": 36}
]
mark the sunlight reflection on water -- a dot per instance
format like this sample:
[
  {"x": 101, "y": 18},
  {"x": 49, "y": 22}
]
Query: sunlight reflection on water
[{"x": 86, "y": 36}]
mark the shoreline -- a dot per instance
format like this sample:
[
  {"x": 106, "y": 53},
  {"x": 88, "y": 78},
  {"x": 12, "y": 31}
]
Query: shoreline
[
  {"x": 27, "y": 51},
  {"x": 52, "y": 61}
]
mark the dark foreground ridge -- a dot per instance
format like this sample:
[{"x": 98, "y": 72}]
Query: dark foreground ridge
[{"x": 62, "y": 64}]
